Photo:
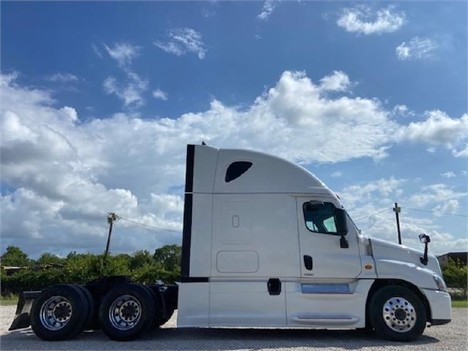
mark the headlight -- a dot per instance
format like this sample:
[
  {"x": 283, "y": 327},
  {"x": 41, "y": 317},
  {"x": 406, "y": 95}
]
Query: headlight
[{"x": 439, "y": 283}]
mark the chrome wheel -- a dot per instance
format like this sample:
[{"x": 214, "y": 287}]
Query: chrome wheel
[
  {"x": 399, "y": 314},
  {"x": 125, "y": 312},
  {"x": 55, "y": 313}
]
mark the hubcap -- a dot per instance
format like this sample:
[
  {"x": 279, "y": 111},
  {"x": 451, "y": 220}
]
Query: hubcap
[
  {"x": 55, "y": 313},
  {"x": 125, "y": 312},
  {"x": 399, "y": 314}
]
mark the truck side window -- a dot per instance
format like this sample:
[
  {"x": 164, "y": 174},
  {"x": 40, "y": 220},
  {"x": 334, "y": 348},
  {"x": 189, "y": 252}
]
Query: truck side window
[
  {"x": 236, "y": 169},
  {"x": 320, "y": 218}
]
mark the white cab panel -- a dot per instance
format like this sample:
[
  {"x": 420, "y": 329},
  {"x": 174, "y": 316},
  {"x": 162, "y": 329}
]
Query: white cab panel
[
  {"x": 237, "y": 261},
  {"x": 205, "y": 163},
  {"x": 245, "y": 304},
  {"x": 200, "y": 263},
  {"x": 256, "y": 228},
  {"x": 193, "y": 309},
  {"x": 321, "y": 304},
  {"x": 268, "y": 174}
]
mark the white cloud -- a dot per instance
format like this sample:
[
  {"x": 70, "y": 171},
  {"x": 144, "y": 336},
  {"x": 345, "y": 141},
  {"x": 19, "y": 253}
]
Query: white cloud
[
  {"x": 416, "y": 49},
  {"x": 131, "y": 92},
  {"x": 461, "y": 152},
  {"x": 370, "y": 205},
  {"x": 450, "y": 206},
  {"x": 123, "y": 53},
  {"x": 338, "y": 81},
  {"x": 183, "y": 41},
  {"x": 66, "y": 174},
  {"x": 402, "y": 111},
  {"x": 364, "y": 20},
  {"x": 448, "y": 174},
  {"x": 8, "y": 79},
  {"x": 337, "y": 174},
  {"x": 434, "y": 195},
  {"x": 267, "y": 9},
  {"x": 160, "y": 95},
  {"x": 63, "y": 78},
  {"x": 439, "y": 129},
  {"x": 354, "y": 195},
  {"x": 97, "y": 51}
]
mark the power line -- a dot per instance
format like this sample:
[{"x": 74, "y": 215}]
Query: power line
[
  {"x": 374, "y": 214},
  {"x": 413, "y": 209},
  {"x": 149, "y": 226},
  {"x": 437, "y": 212}
]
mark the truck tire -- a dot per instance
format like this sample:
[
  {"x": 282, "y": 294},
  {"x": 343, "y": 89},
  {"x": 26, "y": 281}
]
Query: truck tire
[
  {"x": 126, "y": 312},
  {"x": 90, "y": 312},
  {"x": 57, "y": 314},
  {"x": 158, "y": 306},
  {"x": 397, "y": 313}
]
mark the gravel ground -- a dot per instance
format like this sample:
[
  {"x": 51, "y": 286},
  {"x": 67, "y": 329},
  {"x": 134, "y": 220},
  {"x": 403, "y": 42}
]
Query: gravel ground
[{"x": 453, "y": 337}]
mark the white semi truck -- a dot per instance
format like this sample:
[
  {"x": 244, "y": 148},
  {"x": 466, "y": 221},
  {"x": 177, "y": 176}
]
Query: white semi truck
[{"x": 265, "y": 244}]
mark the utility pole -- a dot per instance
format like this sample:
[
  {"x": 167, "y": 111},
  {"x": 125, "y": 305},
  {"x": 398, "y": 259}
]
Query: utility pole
[
  {"x": 111, "y": 217},
  {"x": 397, "y": 211}
]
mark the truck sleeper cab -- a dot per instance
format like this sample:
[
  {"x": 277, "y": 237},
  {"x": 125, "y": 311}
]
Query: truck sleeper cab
[{"x": 265, "y": 244}]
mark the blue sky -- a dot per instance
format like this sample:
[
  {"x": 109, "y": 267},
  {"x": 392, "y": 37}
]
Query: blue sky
[{"x": 99, "y": 99}]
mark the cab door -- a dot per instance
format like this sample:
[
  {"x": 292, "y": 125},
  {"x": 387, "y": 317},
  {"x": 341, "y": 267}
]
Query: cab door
[
  {"x": 323, "y": 294},
  {"x": 324, "y": 254}
]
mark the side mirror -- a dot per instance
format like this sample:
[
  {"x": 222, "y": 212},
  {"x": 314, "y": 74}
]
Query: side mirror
[
  {"x": 425, "y": 239},
  {"x": 341, "y": 221},
  {"x": 341, "y": 227}
]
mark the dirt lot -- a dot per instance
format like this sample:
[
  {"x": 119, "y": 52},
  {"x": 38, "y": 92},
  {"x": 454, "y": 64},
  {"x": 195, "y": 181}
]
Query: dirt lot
[{"x": 453, "y": 337}]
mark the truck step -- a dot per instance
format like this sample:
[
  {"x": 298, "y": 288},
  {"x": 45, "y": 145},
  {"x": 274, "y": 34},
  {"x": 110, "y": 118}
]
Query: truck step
[{"x": 325, "y": 320}]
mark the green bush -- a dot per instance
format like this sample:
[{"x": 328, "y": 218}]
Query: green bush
[
  {"x": 77, "y": 268},
  {"x": 456, "y": 277}
]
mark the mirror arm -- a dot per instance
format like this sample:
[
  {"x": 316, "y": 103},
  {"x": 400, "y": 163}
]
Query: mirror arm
[
  {"x": 343, "y": 242},
  {"x": 424, "y": 258}
]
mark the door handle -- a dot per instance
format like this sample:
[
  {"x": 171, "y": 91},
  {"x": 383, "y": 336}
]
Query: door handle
[{"x": 308, "y": 262}]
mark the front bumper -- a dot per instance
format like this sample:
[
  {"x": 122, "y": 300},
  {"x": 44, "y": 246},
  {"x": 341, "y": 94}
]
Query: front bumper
[{"x": 441, "y": 306}]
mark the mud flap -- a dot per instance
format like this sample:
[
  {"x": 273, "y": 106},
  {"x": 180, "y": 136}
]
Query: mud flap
[{"x": 23, "y": 310}]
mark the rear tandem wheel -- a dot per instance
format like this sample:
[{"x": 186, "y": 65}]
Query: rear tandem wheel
[
  {"x": 60, "y": 312},
  {"x": 127, "y": 311}
]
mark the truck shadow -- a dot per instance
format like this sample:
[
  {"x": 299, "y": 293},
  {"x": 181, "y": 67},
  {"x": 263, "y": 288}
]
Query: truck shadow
[
  {"x": 213, "y": 339},
  {"x": 254, "y": 339}
]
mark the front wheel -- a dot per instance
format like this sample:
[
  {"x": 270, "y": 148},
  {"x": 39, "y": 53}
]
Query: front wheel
[{"x": 397, "y": 314}]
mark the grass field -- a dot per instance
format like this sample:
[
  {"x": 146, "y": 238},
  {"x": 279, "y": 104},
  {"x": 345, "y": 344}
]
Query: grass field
[
  {"x": 8, "y": 301},
  {"x": 459, "y": 303}
]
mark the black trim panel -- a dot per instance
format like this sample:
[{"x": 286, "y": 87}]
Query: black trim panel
[
  {"x": 189, "y": 168},
  {"x": 186, "y": 236},
  {"x": 440, "y": 321},
  {"x": 194, "y": 279}
]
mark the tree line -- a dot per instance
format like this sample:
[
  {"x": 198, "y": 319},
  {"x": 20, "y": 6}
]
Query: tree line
[
  {"x": 81, "y": 268},
  {"x": 141, "y": 267}
]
